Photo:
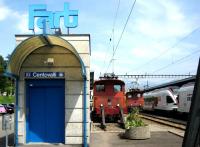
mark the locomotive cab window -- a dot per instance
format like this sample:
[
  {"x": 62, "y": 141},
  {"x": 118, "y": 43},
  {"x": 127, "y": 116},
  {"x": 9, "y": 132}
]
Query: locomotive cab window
[
  {"x": 169, "y": 99},
  {"x": 129, "y": 95},
  {"x": 117, "y": 88},
  {"x": 100, "y": 88},
  {"x": 138, "y": 95}
]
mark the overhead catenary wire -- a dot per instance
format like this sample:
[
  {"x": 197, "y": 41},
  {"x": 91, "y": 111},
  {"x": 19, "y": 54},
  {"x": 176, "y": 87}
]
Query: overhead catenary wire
[
  {"x": 104, "y": 62},
  {"x": 165, "y": 51},
  {"x": 124, "y": 27},
  {"x": 112, "y": 34},
  {"x": 116, "y": 14},
  {"x": 115, "y": 49},
  {"x": 188, "y": 58},
  {"x": 176, "y": 61}
]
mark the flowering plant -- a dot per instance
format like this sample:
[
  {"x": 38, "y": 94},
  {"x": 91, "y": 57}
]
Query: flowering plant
[{"x": 134, "y": 120}]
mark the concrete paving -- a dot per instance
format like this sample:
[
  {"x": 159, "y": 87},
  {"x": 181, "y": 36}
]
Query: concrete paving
[
  {"x": 158, "y": 139},
  {"x": 106, "y": 139}
]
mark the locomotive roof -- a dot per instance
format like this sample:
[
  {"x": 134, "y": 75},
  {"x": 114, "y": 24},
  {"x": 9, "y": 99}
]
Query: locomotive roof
[{"x": 114, "y": 81}]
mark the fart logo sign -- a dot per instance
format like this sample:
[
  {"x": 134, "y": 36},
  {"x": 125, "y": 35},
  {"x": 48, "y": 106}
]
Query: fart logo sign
[{"x": 40, "y": 12}]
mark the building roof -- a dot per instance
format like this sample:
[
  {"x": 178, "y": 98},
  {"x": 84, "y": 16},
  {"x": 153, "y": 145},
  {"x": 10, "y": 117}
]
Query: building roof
[
  {"x": 173, "y": 83},
  {"x": 27, "y": 46}
]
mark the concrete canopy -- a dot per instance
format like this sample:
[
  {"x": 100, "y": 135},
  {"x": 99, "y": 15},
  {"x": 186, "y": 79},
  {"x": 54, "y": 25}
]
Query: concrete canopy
[{"x": 29, "y": 45}]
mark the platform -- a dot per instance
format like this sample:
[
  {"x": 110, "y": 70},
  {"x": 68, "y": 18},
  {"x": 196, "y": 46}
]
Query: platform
[
  {"x": 106, "y": 139},
  {"x": 158, "y": 139}
]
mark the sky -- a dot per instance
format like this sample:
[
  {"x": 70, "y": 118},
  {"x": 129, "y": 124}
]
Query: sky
[{"x": 161, "y": 36}]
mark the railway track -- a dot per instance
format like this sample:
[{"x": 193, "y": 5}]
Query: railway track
[{"x": 165, "y": 121}]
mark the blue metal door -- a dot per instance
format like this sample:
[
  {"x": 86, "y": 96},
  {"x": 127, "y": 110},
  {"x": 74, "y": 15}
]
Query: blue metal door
[{"x": 45, "y": 111}]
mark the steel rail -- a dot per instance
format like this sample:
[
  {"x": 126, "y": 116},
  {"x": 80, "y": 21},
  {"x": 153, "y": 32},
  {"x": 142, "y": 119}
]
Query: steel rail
[{"x": 168, "y": 122}]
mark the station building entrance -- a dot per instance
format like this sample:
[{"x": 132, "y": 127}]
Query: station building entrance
[
  {"x": 46, "y": 121},
  {"x": 52, "y": 100}
]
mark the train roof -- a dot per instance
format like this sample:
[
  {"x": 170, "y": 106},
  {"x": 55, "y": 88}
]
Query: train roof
[
  {"x": 106, "y": 81},
  {"x": 173, "y": 83},
  {"x": 109, "y": 78},
  {"x": 188, "y": 84}
]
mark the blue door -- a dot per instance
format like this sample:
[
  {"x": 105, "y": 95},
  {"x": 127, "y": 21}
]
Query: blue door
[{"x": 45, "y": 121}]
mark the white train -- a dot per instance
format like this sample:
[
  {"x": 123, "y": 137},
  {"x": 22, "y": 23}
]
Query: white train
[
  {"x": 184, "y": 97},
  {"x": 161, "y": 99}
]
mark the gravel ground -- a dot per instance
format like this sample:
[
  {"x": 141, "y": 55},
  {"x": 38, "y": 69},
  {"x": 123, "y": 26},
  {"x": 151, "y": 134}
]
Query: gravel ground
[{"x": 110, "y": 127}]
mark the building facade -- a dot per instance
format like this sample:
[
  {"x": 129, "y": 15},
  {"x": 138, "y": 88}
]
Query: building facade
[{"x": 52, "y": 101}]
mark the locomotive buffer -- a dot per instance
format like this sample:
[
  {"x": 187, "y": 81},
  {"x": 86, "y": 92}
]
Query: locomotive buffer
[
  {"x": 121, "y": 114},
  {"x": 103, "y": 122},
  {"x": 122, "y": 121}
]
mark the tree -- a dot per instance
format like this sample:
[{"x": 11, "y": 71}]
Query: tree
[
  {"x": 6, "y": 84},
  {"x": 1, "y": 64}
]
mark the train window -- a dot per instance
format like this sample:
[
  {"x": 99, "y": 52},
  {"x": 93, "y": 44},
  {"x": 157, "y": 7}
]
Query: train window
[
  {"x": 117, "y": 88},
  {"x": 189, "y": 98},
  {"x": 169, "y": 99},
  {"x": 129, "y": 96},
  {"x": 100, "y": 88}
]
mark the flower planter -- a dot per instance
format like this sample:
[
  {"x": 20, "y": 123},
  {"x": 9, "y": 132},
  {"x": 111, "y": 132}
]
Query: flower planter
[{"x": 142, "y": 132}]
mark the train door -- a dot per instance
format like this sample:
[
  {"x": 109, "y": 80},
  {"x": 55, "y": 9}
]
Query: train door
[
  {"x": 160, "y": 100},
  {"x": 188, "y": 100},
  {"x": 185, "y": 100}
]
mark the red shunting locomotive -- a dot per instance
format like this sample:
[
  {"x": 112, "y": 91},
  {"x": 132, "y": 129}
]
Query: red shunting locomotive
[
  {"x": 134, "y": 98},
  {"x": 109, "y": 99}
]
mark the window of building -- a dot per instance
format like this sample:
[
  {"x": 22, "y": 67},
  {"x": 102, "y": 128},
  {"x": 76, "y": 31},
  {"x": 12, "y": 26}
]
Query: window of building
[
  {"x": 117, "y": 88},
  {"x": 100, "y": 88}
]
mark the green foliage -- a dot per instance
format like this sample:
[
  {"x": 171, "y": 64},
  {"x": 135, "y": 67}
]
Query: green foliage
[
  {"x": 6, "y": 99},
  {"x": 6, "y": 84},
  {"x": 133, "y": 119},
  {"x": 1, "y": 64},
  {"x": 1, "y": 61}
]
